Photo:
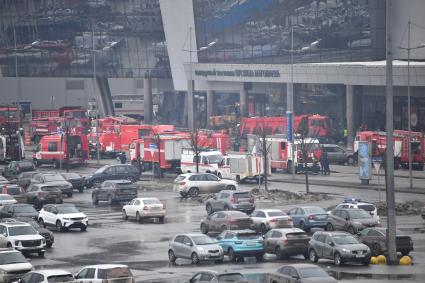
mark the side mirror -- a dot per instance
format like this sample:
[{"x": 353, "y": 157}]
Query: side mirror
[
  {"x": 332, "y": 244},
  {"x": 188, "y": 244},
  {"x": 219, "y": 238},
  {"x": 55, "y": 212},
  {"x": 347, "y": 218},
  {"x": 295, "y": 277}
]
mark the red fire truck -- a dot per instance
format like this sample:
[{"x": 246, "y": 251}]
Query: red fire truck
[
  {"x": 53, "y": 149},
  {"x": 129, "y": 133},
  {"x": 113, "y": 124},
  {"x": 11, "y": 141},
  {"x": 9, "y": 117},
  {"x": 110, "y": 143},
  {"x": 378, "y": 141}
]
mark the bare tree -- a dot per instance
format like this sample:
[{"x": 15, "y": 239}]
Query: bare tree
[
  {"x": 195, "y": 146},
  {"x": 264, "y": 148},
  {"x": 156, "y": 139}
]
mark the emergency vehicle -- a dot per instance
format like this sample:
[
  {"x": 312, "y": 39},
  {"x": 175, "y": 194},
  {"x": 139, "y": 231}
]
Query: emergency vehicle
[
  {"x": 378, "y": 140},
  {"x": 137, "y": 151},
  {"x": 241, "y": 166},
  {"x": 210, "y": 161},
  {"x": 113, "y": 124},
  {"x": 110, "y": 143},
  {"x": 53, "y": 149},
  {"x": 11, "y": 141},
  {"x": 129, "y": 133},
  {"x": 10, "y": 117},
  {"x": 280, "y": 153}
]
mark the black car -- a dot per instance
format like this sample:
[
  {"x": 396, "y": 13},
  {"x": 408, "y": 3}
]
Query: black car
[
  {"x": 24, "y": 179},
  {"x": 375, "y": 239},
  {"x": 16, "y": 167},
  {"x": 112, "y": 172},
  {"x": 53, "y": 179},
  {"x": 47, "y": 234},
  {"x": 18, "y": 210},
  {"x": 114, "y": 191},
  {"x": 76, "y": 180}
]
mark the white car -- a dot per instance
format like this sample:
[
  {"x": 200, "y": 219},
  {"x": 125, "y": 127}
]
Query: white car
[
  {"x": 12, "y": 265},
  {"x": 266, "y": 219},
  {"x": 47, "y": 276},
  {"x": 63, "y": 217},
  {"x": 22, "y": 237},
  {"x": 193, "y": 184},
  {"x": 357, "y": 203},
  {"x": 6, "y": 199},
  {"x": 105, "y": 272},
  {"x": 141, "y": 208}
]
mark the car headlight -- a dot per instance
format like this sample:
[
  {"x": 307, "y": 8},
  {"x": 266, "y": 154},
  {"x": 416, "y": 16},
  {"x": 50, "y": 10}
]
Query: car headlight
[
  {"x": 66, "y": 219},
  {"x": 357, "y": 224},
  {"x": 202, "y": 250},
  {"x": 344, "y": 250},
  {"x": 17, "y": 243}
]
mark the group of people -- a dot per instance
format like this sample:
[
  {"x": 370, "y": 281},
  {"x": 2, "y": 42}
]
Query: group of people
[{"x": 324, "y": 164}]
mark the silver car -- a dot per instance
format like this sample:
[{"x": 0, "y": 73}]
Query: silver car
[
  {"x": 286, "y": 242},
  {"x": 196, "y": 247},
  {"x": 351, "y": 220},
  {"x": 266, "y": 219},
  {"x": 193, "y": 184}
]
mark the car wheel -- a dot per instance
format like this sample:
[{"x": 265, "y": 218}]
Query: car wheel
[
  {"x": 351, "y": 230},
  {"x": 162, "y": 219},
  {"x": 405, "y": 252},
  {"x": 195, "y": 258},
  {"x": 41, "y": 222},
  {"x": 204, "y": 229},
  {"x": 313, "y": 256},
  {"x": 124, "y": 215},
  {"x": 259, "y": 258},
  {"x": 41, "y": 254},
  {"x": 138, "y": 218},
  {"x": 95, "y": 200},
  {"x": 83, "y": 229},
  {"x": 9, "y": 245},
  {"x": 302, "y": 226},
  {"x": 232, "y": 255},
  {"x": 278, "y": 252},
  {"x": 263, "y": 228},
  {"x": 376, "y": 249},
  {"x": 338, "y": 259},
  {"x": 80, "y": 190},
  {"x": 194, "y": 192},
  {"x": 231, "y": 188},
  {"x": 59, "y": 226},
  {"x": 69, "y": 195},
  {"x": 209, "y": 209},
  {"x": 226, "y": 207},
  {"x": 329, "y": 227},
  {"x": 171, "y": 256},
  {"x": 219, "y": 175},
  {"x": 49, "y": 245}
]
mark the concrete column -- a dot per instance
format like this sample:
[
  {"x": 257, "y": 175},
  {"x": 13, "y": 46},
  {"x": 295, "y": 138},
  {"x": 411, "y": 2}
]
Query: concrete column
[
  {"x": 350, "y": 115},
  {"x": 290, "y": 97},
  {"x": 190, "y": 109},
  {"x": 243, "y": 102},
  {"x": 147, "y": 99},
  {"x": 210, "y": 105}
]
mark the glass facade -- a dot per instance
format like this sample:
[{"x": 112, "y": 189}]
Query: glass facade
[
  {"x": 113, "y": 38},
  {"x": 260, "y": 31}
]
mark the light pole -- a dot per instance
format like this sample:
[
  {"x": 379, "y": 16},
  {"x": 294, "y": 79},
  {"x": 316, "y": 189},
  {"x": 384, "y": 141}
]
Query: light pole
[
  {"x": 409, "y": 125},
  {"x": 94, "y": 94},
  {"x": 191, "y": 119}
]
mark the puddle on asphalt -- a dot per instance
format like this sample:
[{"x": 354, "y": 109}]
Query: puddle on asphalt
[{"x": 355, "y": 276}]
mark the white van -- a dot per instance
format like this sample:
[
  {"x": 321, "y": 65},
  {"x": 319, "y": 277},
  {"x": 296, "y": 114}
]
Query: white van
[{"x": 209, "y": 161}]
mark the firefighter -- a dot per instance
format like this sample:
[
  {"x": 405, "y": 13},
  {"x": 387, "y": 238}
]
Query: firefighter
[
  {"x": 326, "y": 163},
  {"x": 123, "y": 158}
]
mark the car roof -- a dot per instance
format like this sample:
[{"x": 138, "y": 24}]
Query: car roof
[
  {"x": 50, "y": 272},
  {"x": 191, "y": 234},
  {"x": 17, "y": 223},
  {"x": 147, "y": 198},
  {"x": 288, "y": 230},
  {"x": 334, "y": 233},
  {"x": 217, "y": 273},
  {"x": 242, "y": 231},
  {"x": 269, "y": 210},
  {"x": 5, "y": 250},
  {"x": 106, "y": 265},
  {"x": 301, "y": 265},
  {"x": 123, "y": 181}
]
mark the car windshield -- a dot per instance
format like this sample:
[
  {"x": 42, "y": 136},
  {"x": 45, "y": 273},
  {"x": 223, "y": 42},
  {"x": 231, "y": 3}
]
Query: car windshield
[
  {"x": 241, "y": 195},
  {"x": 21, "y": 230},
  {"x": 151, "y": 201},
  {"x": 25, "y": 209},
  {"x": 100, "y": 170},
  {"x": 50, "y": 189},
  {"x": 14, "y": 190},
  {"x": 25, "y": 164},
  {"x": 60, "y": 278},
  {"x": 359, "y": 214},
  {"x": 367, "y": 207},
  {"x": 11, "y": 257},
  {"x": 276, "y": 213},
  {"x": 6, "y": 197},
  {"x": 236, "y": 214},
  {"x": 215, "y": 158},
  {"x": 71, "y": 176},
  {"x": 127, "y": 186},
  {"x": 312, "y": 272},
  {"x": 203, "y": 240},
  {"x": 344, "y": 240},
  {"x": 33, "y": 223},
  {"x": 247, "y": 236},
  {"x": 237, "y": 277},
  {"x": 179, "y": 178},
  {"x": 53, "y": 178},
  {"x": 314, "y": 210},
  {"x": 67, "y": 209}
]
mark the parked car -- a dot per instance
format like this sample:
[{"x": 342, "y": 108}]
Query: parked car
[
  {"x": 112, "y": 172},
  {"x": 13, "y": 265},
  {"x": 142, "y": 208},
  {"x": 375, "y": 239},
  {"x": 114, "y": 191},
  {"x": 266, "y": 219},
  {"x": 105, "y": 273},
  {"x": 16, "y": 191},
  {"x": 47, "y": 234},
  {"x": 307, "y": 217},
  {"x": 193, "y": 184},
  {"x": 63, "y": 217},
  {"x": 3, "y": 181},
  {"x": 286, "y": 242},
  {"x": 6, "y": 199},
  {"x": 24, "y": 179},
  {"x": 76, "y": 180},
  {"x": 301, "y": 273},
  {"x": 338, "y": 155},
  {"x": 22, "y": 237},
  {"x": 16, "y": 167},
  {"x": 238, "y": 244},
  {"x": 18, "y": 210},
  {"x": 357, "y": 203},
  {"x": 53, "y": 179},
  {"x": 41, "y": 194},
  {"x": 225, "y": 220},
  {"x": 340, "y": 247},
  {"x": 351, "y": 220},
  {"x": 217, "y": 277},
  {"x": 231, "y": 200},
  {"x": 47, "y": 276},
  {"x": 196, "y": 247}
]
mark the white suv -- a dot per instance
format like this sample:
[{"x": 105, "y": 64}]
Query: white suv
[
  {"x": 357, "y": 203},
  {"x": 12, "y": 265},
  {"x": 23, "y": 237},
  {"x": 47, "y": 276},
  {"x": 105, "y": 273},
  {"x": 141, "y": 208},
  {"x": 193, "y": 184},
  {"x": 63, "y": 217}
]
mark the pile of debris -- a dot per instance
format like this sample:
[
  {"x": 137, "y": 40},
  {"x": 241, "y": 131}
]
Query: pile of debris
[
  {"x": 402, "y": 208},
  {"x": 289, "y": 197}
]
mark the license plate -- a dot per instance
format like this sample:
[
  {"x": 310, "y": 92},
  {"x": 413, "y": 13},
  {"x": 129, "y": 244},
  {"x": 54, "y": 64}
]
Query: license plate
[
  {"x": 250, "y": 243},
  {"x": 360, "y": 256}
]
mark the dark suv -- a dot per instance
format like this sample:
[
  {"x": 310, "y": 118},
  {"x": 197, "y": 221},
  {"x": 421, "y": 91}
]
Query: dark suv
[
  {"x": 112, "y": 172},
  {"x": 16, "y": 167},
  {"x": 231, "y": 200},
  {"x": 41, "y": 194},
  {"x": 114, "y": 191}
]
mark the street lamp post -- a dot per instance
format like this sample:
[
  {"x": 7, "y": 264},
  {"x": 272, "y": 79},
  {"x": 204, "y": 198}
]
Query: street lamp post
[
  {"x": 409, "y": 125},
  {"x": 94, "y": 93}
]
